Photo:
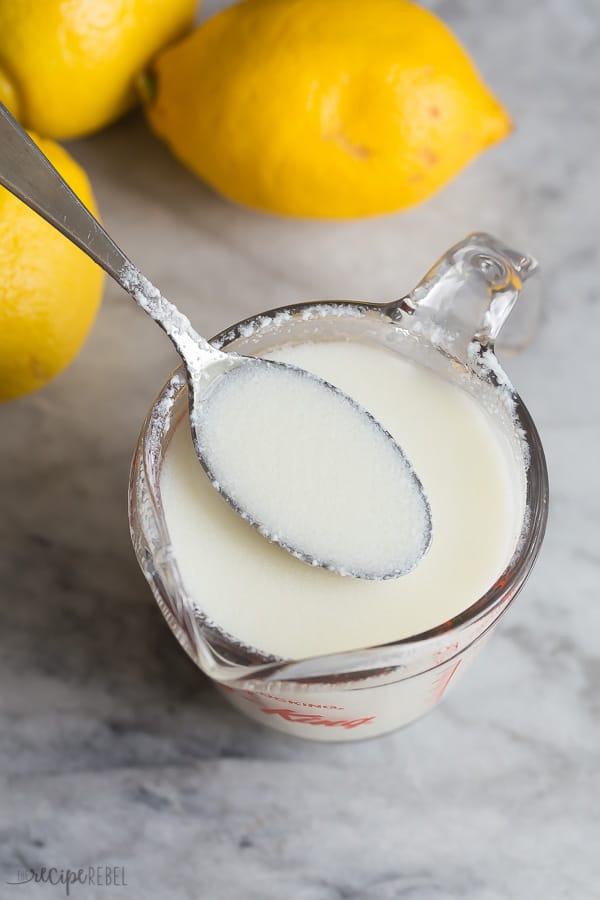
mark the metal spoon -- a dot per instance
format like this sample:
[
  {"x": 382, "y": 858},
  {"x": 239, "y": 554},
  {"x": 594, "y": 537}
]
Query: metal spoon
[{"x": 358, "y": 540}]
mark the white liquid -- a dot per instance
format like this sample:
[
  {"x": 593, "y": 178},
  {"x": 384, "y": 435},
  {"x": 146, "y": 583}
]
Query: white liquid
[
  {"x": 270, "y": 601},
  {"x": 318, "y": 474}
]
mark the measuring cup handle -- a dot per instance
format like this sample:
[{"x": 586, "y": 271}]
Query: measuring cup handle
[{"x": 468, "y": 294}]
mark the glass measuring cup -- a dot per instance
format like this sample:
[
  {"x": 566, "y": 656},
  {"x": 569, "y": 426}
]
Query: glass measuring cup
[{"x": 448, "y": 324}]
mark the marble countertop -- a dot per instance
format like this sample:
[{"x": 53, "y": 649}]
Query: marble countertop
[{"x": 114, "y": 749}]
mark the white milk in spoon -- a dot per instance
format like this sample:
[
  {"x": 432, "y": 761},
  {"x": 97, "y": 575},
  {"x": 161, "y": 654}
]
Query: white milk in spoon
[
  {"x": 319, "y": 474},
  {"x": 270, "y": 601}
]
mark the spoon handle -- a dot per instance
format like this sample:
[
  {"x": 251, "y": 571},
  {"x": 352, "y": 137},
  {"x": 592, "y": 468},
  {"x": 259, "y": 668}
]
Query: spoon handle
[
  {"x": 30, "y": 176},
  {"x": 27, "y": 173}
]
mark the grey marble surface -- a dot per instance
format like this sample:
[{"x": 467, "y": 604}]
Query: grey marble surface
[{"x": 114, "y": 749}]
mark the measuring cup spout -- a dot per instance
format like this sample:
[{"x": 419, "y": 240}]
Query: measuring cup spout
[{"x": 468, "y": 294}]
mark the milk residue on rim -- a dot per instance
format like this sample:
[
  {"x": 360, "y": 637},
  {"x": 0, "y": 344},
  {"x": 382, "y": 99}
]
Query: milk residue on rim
[{"x": 277, "y": 319}]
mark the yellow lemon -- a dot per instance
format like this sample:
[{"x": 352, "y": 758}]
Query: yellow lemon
[
  {"x": 67, "y": 67},
  {"x": 327, "y": 108},
  {"x": 49, "y": 290}
]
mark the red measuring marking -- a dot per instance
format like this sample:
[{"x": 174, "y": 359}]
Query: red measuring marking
[
  {"x": 441, "y": 686},
  {"x": 292, "y": 715},
  {"x": 255, "y": 697}
]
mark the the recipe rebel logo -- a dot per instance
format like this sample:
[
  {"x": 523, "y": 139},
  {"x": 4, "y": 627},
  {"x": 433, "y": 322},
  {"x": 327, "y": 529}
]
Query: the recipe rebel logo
[{"x": 96, "y": 876}]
